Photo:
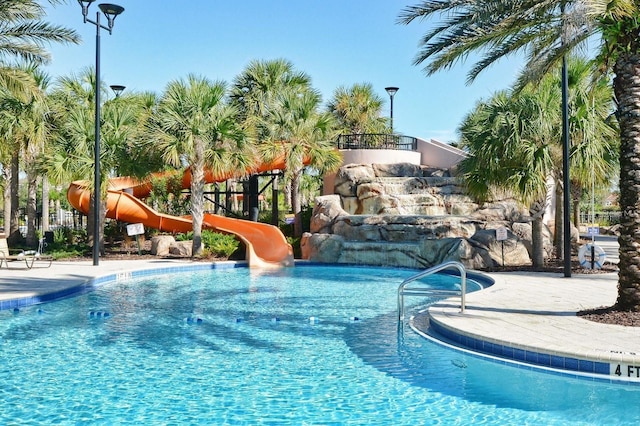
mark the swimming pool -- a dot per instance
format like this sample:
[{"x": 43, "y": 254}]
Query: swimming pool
[{"x": 236, "y": 346}]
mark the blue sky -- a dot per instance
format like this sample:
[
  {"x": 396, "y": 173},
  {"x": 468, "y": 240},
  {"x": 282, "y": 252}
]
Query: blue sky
[{"x": 336, "y": 42}]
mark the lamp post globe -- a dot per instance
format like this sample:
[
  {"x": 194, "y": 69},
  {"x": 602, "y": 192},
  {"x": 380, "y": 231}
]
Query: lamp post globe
[{"x": 117, "y": 89}]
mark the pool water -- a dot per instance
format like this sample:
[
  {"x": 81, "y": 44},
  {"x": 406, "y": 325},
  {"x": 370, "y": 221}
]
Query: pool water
[{"x": 236, "y": 346}]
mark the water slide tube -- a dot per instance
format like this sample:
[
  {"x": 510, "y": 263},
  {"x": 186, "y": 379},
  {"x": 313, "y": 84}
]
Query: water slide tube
[{"x": 265, "y": 244}]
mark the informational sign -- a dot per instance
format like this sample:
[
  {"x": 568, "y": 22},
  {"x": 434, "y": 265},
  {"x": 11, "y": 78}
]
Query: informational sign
[
  {"x": 593, "y": 230},
  {"x": 135, "y": 229},
  {"x": 501, "y": 234}
]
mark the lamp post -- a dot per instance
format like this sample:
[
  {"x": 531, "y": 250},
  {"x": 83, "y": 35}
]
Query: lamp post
[
  {"x": 391, "y": 91},
  {"x": 117, "y": 89},
  {"x": 110, "y": 11}
]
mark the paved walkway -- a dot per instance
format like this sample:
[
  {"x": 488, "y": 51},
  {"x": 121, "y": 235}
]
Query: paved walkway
[
  {"x": 522, "y": 316},
  {"x": 532, "y": 318}
]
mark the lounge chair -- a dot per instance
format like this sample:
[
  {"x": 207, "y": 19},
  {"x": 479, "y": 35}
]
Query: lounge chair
[{"x": 29, "y": 257}]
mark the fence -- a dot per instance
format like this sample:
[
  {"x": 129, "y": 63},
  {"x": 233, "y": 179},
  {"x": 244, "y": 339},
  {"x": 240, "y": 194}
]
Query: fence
[
  {"x": 377, "y": 141},
  {"x": 601, "y": 218}
]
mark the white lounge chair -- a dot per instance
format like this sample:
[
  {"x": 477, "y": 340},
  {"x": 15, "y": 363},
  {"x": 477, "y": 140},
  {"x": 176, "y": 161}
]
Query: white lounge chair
[{"x": 29, "y": 257}]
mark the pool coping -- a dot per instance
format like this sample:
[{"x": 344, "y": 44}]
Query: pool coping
[{"x": 533, "y": 319}]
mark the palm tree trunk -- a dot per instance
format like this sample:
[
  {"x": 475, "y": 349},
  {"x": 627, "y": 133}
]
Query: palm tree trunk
[
  {"x": 296, "y": 203},
  {"x": 626, "y": 86},
  {"x": 287, "y": 194},
  {"x": 559, "y": 222},
  {"x": 576, "y": 193},
  {"x": 536, "y": 210},
  {"x": 45, "y": 204},
  {"x": 32, "y": 208},
  {"x": 6, "y": 172},
  {"x": 14, "y": 236},
  {"x": 197, "y": 198}
]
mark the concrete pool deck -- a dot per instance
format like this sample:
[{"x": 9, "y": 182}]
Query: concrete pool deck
[
  {"x": 531, "y": 318},
  {"x": 525, "y": 317}
]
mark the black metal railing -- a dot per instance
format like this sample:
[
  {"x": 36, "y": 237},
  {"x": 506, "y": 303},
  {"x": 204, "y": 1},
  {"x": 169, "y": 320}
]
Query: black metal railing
[{"x": 377, "y": 141}]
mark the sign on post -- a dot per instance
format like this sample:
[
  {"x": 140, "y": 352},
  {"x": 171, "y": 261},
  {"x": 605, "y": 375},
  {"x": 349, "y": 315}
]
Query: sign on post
[
  {"x": 593, "y": 229},
  {"x": 136, "y": 229},
  {"x": 502, "y": 235}
]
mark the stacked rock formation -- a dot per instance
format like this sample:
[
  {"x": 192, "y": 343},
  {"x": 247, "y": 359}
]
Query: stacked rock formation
[{"x": 414, "y": 216}]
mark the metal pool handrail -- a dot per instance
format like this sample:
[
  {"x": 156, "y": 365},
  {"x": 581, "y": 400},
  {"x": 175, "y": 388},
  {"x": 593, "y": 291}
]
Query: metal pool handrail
[{"x": 430, "y": 291}]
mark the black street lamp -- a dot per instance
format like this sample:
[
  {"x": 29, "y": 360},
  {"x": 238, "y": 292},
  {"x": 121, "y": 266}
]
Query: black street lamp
[
  {"x": 391, "y": 91},
  {"x": 117, "y": 89},
  {"x": 110, "y": 11}
]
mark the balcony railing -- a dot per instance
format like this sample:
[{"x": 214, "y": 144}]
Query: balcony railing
[{"x": 377, "y": 141}]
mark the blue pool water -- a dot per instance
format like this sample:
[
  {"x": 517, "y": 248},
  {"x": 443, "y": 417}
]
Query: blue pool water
[{"x": 236, "y": 346}]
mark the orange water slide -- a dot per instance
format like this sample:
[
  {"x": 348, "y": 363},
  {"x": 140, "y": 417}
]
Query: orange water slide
[{"x": 265, "y": 244}]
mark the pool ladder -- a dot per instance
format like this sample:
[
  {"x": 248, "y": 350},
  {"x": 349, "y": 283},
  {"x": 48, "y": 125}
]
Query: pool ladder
[{"x": 405, "y": 289}]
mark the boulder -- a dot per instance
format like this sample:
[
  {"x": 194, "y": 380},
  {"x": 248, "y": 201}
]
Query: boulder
[
  {"x": 181, "y": 248},
  {"x": 348, "y": 176},
  {"x": 396, "y": 169},
  {"x": 511, "y": 251},
  {"x": 323, "y": 247},
  {"x": 326, "y": 211},
  {"x": 160, "y": 244}
]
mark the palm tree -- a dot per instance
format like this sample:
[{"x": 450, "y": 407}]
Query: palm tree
[
  {"x": 593, "y": 131},
  {"x": 545, "y": 31},
  {"x": 512, "y": 148},
  {"x": 71, "y": 155},
  {"x": 194, "y": 126},
  {"x": 256, "y": 93},
  {"x": 23, "y": 35},
  {"x": 10, "y": 156},
  {"x": 295, "y": 129},
  {"x": 621, "y": 37},
  {"x": 23, "y": 124},
  {"x": 357, "y": 109},
  {"x": 32, "y": 134},
  {"x": 256, "y": 88},
  {"x": 497, "y": 130}
]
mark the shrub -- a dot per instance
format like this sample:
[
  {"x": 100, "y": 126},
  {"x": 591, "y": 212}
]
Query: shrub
[
  {"x": 185, "y": 236},
  {"x": 217, "y": 244}
]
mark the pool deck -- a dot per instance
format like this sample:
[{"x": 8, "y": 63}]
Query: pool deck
[
  {"x": 532, "y": 318},
  {"x": 525, "y": 317}
]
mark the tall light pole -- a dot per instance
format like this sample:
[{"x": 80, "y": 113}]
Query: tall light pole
[
  {"x": 566, "y": 145},
  {"x": 110, "y": 11},
  {"x": 391, "y": 91}
]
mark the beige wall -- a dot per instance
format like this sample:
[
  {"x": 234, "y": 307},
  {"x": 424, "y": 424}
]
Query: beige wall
[
  {"x": 379, "y": 156},
  {"x": 439, "y": 154}
]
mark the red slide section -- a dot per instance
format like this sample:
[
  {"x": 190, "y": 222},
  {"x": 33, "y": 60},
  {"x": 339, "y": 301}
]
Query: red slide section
[{"x": 266, "y": 245}]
